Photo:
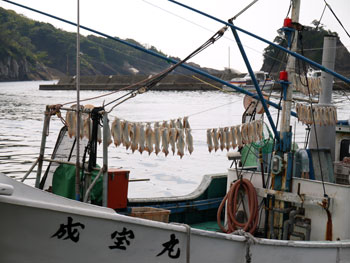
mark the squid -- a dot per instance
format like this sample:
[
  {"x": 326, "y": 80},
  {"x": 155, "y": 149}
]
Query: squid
[
  {"x": 173, "y": 138},
  {"x": 209, "y": 140},
  {"x": 228, "y": 138},
  {"x": 165, "y": 141},
  {"x": 157, "y": 138},
  {"x": 180, "y": 144},
  {"x": 117, "y": 132},
  {"x": 233, "y": 137},
  {"x": 250, "y": 129},
  {"x": 244, "y": 133},
  {"x": 135, "y": 136},
  {"x": 222, "y": 138},
  {"x": 126, "y": 134},
  {"x": 189, "y": 140},
  {"x": 186, "y": 123},
  {"x": 179, "y": 123},
  {"x": 149, "y": 139},
  {"x": 239, "y": 136},
  {"x": 71, "y": 121},
  {"x": 215, "y": 137},
  {"x": 142, "y": 139},
  {"x": 109, "y": 136}
]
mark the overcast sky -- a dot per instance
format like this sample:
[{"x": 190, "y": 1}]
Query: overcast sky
[{"x": 177, "y": 31}]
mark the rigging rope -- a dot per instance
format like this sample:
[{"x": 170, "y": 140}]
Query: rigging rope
[
  {"x": 150, "y": 83},
  {"x": 330, "y": 8}
]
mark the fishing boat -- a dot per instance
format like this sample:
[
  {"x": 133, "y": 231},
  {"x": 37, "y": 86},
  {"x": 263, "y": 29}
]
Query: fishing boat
[
  {"x": 292, "y": 207},
  {"x": 265, "y": 81}
]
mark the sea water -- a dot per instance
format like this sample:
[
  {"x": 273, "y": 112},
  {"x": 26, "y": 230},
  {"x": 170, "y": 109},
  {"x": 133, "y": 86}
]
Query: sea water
[{"x": 22, "y": 107}]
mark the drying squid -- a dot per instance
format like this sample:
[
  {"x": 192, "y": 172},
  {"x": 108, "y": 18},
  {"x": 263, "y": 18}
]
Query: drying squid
[
  {"x": 109, "y": 136},
  {"x": 335, "y": 117},
  {"x": 172, "y": 138},
  {"x": 233, "y": 137},
  {"x": 250, "y": 129},
  {"x": 180, "y": 143},
  {"x": 309, "y": 116},
  {"x": 149, "y": 139},
  {"x": 116, "y": 132},
  {"x": 244, "y": 133},
  {"x": 209, "y": 140},
  {"x": 239, "y": 136},
  {"x": 259, "y": 129},
  {"x": 71, "y": 121},
  {"x": 135, "y": 136},
  {"x": 165, "y": 141},
  {"x": 215, "y": 136},
  {"x": 126, "y": 134},
  {"x": 165, "y": 124},
  {"x": 189, "y": 140},
  {"x": 186, "y": 123},
  {"x": 228, "y": 138},
  {"x": 99, "y": 133},
  {"x": 173, "y": 123},
  {"x": 179, "y": 123},
  {"x": 142, "y": 138},
  {"x": 222, "y": 138},
  {"x": 87, "y": 123},
  {"x": 87, "y": 128},
  {"x": 255, "y": 131},
  {"x": 157, "y": 138}
]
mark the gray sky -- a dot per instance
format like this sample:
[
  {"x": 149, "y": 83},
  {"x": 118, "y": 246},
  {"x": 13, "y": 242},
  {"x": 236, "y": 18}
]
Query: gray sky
[{"x": 177, "y": 31}]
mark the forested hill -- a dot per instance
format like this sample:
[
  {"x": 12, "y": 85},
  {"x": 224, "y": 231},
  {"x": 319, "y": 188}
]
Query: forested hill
[
  {"x": 34, "y": 50},
  {"x": 310, "y": 45}
]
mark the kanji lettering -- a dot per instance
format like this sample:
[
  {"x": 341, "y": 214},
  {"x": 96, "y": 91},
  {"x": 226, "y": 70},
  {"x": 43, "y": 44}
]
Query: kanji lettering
[
  {"x": 169, "y": 246},
  {"x": 121, "y": 239},
  {"x": 69, "y": 231}
]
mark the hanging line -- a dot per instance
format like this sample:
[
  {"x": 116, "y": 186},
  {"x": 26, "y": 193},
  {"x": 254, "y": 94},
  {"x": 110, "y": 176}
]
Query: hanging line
[
  {"x": 153, "y": 81},
  {"x": 319, "y": 21},
  {"x": 330, "y": 8}
]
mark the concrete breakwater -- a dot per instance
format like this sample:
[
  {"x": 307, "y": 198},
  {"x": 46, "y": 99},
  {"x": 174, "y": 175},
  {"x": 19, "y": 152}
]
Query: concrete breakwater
[{"x": 115, "y": 82}]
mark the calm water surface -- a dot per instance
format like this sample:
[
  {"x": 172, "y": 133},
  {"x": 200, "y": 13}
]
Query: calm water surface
[{"x": 21, "y": 119}]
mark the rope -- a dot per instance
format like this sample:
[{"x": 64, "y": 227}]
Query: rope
[
  {"x": 319, "y": 21},
  {"x": 250, "y": 239},
  {"x": 330, "y": 8},
  {"x": 157, "y": 78}
]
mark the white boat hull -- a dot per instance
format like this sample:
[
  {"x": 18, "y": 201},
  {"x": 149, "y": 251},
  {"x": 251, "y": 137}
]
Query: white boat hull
[{"x": 37, "y": 226}]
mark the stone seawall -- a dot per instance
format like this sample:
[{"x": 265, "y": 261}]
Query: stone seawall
[{"x": 170, "y": 82}]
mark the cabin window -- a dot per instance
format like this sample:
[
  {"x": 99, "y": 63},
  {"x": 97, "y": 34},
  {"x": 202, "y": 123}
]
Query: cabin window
[
  {"x": 344, "y": 149},
  {"x": 260, "y": 76}
]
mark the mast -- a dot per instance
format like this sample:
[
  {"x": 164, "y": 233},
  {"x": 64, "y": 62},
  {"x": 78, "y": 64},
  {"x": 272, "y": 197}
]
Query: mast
[
  {"x": 287, "y": 102},
  {"x": 321, "y": 139},
  {"x": 77, "y": 166}
]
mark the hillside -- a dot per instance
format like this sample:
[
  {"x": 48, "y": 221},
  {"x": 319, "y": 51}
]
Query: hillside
[
  {"x": 34, "y": 50},
  {"x": 310, "y": 44}
]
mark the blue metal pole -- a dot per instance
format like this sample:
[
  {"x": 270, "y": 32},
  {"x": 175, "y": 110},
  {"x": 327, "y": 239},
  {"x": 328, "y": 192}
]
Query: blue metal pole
[
  {"x": 257, "y": 88},
  {"x": 335, "y": 74},
  {"x": 255, "y": 96}
]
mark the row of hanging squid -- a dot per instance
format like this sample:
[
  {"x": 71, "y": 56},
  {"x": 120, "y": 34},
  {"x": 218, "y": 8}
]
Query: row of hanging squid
[
  {"x": 231, "y": 137},
  {"x": 312, "y": 85},
  {"x": 85, "y": 124},
  {"x": 173, "y": 135},
  {"x": 159, "y": 137},
  {"x": 322, "y": 115}
]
